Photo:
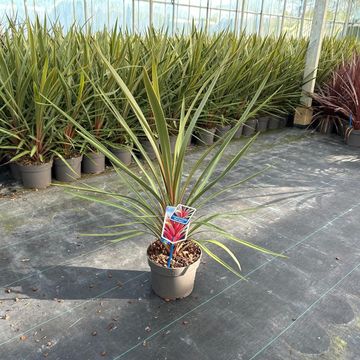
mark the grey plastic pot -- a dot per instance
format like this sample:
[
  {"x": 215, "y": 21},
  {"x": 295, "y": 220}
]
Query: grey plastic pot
[
  {"x": 93, "y": 163},
  {"x": 353, "y": 138},
  {"x": 239, "y": 132},
  {"x": 282, "y": 122},
  {"x": 262, "y": 123},
  {"x": 206, "y": 136},
  {"x": 67, "y": 172},
  {"x": 15, "y": 171},
  {"x": 36, "y": 176},
  {"x": 149, "y": 149},
  {"x": 123, "y": 154},
  {"x": 274, "y": 123},
  {"x": 222, "y": 130},
  {"x": 174, "y": 283},
  {"x": 249, "y": 127}
]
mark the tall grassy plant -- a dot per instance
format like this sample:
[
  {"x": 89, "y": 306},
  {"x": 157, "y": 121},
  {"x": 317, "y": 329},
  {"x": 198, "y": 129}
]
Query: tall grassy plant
[{"x": 164, "y": 182}]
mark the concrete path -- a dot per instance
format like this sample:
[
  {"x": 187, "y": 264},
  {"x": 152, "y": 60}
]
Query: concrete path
[{"x": 63, "y": 296}]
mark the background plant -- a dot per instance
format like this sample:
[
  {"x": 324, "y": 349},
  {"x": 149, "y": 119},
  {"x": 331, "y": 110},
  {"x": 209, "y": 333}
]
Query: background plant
[
  {"x": 38, "y": 59},
  {"x": 340, "y": 95}
]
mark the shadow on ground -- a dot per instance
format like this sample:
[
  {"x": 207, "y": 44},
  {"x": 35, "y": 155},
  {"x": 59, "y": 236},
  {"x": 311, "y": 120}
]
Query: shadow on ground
[{"x": 79, "y": 283}]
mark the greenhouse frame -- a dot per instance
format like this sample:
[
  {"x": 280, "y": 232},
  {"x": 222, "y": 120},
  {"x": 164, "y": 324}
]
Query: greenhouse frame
[{"x": 262, "y": 17}]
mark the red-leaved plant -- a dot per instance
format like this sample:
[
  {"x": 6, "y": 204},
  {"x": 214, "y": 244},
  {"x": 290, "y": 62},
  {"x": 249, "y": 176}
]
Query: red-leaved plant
[{"x": 340, "y": 95}]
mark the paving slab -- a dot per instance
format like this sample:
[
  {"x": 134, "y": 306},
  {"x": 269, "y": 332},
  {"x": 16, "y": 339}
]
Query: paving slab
[{"x": 74, "y": 297}]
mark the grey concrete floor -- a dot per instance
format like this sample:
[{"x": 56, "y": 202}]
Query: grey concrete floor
[{"x": 77, "y": 298}]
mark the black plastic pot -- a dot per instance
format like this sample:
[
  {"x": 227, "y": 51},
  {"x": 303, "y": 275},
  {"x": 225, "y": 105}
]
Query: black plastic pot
[
  {"x": 174, "y": 283},
  {"x": 274, "y": 123},
  {"x": 222, "y": 130},
  {"x": 36, "y": 176},
  {"x": 93, "y": 163},
  {"x": 249, "y": 127},
  {"x": 282, "y": 122},
  {"x": 123, "y": 154},
  {"x": 353, "y": 137},
  {"x": 262, "y": 123},
  {"x": 69, "y": 171},
  {"x": 206, "y": 136},
  {"x": 15, "y": 171}
]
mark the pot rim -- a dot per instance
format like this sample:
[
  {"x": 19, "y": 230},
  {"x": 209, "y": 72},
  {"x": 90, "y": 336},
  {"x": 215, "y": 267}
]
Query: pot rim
[
  {"x": 48, "y": 163},
  {"x": 94, "y": 155},
  {"x": 57, "y": 159}
]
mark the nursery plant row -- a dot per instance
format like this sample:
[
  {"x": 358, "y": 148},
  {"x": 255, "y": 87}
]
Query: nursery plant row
[
  {"x": 70, "y": 169},
  {"x": 48, "y": 75}
]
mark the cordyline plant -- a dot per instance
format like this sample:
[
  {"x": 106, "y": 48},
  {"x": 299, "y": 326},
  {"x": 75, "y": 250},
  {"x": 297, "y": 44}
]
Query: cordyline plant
[
  {"x": 340, "y": 96},
  {"x": 163, "y": 182},
  {"x": 126, "y": 54},
  {"x": 76, "y": 93},
  {"x": 27, "y": 73}
]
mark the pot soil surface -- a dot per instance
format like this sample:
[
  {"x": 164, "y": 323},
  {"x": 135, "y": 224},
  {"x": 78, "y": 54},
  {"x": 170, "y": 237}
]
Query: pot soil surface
[{"x": 186, "y": 254}]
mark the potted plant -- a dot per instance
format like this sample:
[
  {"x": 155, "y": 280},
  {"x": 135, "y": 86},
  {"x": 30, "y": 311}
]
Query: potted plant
[
  {"x": 206, "y": 128},
  {"x": 26, "y": 77},
  {"x": 274, "y": 122},
  {"x": 249, "y": 127},
  {"x": 223, "y": 127},
  {"x": 240, "y": 130},
  {"x": 118, "y": 142},
  {"x": 8, "y": 145},
  {"x": 262, "y": 123},
  {"x": 125, "y": 53},
  {"x": 68, "y": 159},
  {"x": 122, "y": 147},
  {"x": 164, "y": 184},
  {"x": 67, "y": 163},
  {"x": 96, "y": 116},
  {"x": 339, "y": 97}
]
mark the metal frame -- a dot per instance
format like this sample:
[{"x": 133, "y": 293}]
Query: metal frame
[
  {"x": 237, "y": 14},
  {"x": 283, "y": 17},
  {"x": 151, "y": 12},
  {"x": 133, "y": 16},
  {"x": 348, "y": 12},
  {"x": 301, "y": 30},
  {"x": 236, "y": 17},
  {"x": 334, "y": 21},
  {"x": 261, "y": 17}
]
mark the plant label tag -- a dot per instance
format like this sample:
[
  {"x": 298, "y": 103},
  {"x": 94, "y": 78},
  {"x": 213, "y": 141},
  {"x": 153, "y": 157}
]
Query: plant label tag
[
  {"x": 183, "y": 214},
  {"x": 168, "y": 212},
  {"x": 173, "y": 231}
]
